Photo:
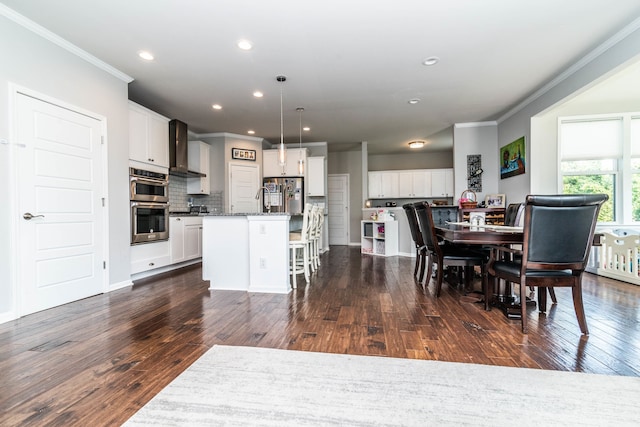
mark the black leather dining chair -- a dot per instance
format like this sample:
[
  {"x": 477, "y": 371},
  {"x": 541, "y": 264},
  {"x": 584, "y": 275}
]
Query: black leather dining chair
[
  {"x": 558, "y": 234},
  {"x": 444, "y": 254},
  {"x": 416, "y": 235}
]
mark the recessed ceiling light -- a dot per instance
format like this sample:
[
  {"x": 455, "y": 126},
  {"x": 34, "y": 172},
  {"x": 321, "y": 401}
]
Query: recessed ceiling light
[
  {"x": 306, "y": 128},
  {"x": 251, "y": 132},
  {"x": 416, "y": 144},
  {"x": 145, "y": 55},
  {"x": 414, "y": 101},
  {"x": 245, "y": 45},
  {"x": 217, "y": 106},
  {"x": 258, "y": 94},
  {"x": 432, "y": 60}
]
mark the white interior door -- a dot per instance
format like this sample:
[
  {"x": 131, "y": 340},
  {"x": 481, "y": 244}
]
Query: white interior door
[
  {"x": 60, "y": 234},
  {"x": 338, "y": 202},
  {"x": 244, "y": 182}
]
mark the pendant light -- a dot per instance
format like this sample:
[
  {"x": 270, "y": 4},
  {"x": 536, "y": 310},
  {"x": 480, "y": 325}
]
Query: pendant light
[
  {"x": 300, "y": 160},
  {"x": 282, "y": 150}
]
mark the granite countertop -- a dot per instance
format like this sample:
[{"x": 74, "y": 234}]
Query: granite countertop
[{"x": 245, "y": 214}]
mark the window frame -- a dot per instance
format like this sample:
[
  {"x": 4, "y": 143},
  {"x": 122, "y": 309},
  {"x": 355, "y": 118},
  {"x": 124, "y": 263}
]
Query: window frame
[{"x": 623, "y": 174}]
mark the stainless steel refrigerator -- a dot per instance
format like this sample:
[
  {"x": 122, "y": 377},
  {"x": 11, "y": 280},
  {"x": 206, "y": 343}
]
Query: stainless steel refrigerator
[{"x": 283, "y": 194}]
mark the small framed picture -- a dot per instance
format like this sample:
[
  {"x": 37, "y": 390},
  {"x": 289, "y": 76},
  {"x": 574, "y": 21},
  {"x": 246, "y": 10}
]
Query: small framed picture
[
  {"x": 495, "y": 201},
  {"x": 243, "y": 154}
]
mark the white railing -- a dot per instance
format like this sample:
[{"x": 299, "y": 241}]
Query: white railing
[{"x": 617, "y": 258}]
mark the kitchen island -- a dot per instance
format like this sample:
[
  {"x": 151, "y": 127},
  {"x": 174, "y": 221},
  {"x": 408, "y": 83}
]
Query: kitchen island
[{"x": 248, "y": 252}]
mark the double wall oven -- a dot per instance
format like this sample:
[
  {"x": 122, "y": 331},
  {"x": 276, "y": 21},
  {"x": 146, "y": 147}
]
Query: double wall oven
[{"x": 149, "y": 195}]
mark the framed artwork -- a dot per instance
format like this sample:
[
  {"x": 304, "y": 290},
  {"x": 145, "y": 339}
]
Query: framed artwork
[
  {"x": 474, "y": 172},
  {"x": 243, "y": 154},
  {"x": 495, "y": 200},
  {"x": 512, "y": 159}
]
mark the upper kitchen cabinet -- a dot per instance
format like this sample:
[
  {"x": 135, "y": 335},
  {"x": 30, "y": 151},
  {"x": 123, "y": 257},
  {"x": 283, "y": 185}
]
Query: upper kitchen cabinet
[
  {"x": 383, "y": 184},
  {"x": 271, "y": 168},
  {"x": 315, "y": 176},
  {"x": 148, "y": 136},
  {"x": 198, "y": 160},
  {"x": 442, "y": 182},
  {"x": 416, "y": 183}
]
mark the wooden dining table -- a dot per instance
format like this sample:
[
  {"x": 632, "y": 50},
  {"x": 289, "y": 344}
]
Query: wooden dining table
[
  {"x": 492, "y": 235},
  {"x": 486, "y": 235}
]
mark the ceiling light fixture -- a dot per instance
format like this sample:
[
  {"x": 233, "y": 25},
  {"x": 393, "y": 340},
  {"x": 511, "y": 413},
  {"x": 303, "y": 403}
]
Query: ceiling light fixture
[
  {"x": 432, "y": 60},
  {"x": 216, "y": 107},
  {"x": 258, "y": 94},
  {"x": 300, "y": 110},
  {"x": 306, "y": 128},
  {"x": 416, "y": 144},
  {"x": 251, "y": 132},
  {"x": 147, "y": 56},
  {"x": 282, "y": 150},
  {"x": 413, "y": 101},
  {"x": 245, "y": 45}
]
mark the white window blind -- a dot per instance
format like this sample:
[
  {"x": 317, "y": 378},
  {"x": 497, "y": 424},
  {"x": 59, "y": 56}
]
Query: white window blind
[
  {"x": 581, "y": 140},
  {"x": 635, "y": 137}
]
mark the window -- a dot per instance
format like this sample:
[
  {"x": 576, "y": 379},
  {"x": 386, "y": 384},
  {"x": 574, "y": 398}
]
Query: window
[
  {"x": 601, "y": 154},
  {"x": 634, "y": 136}
]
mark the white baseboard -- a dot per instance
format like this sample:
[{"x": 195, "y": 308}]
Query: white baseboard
[
  {"x": 119, "y": 285},
  {"x": 8, "y": 316},
  {"x": 149, "y": 273}
]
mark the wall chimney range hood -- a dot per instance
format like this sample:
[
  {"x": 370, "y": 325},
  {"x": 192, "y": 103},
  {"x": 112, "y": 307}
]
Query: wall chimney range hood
[{"x": 178, "y": 151}]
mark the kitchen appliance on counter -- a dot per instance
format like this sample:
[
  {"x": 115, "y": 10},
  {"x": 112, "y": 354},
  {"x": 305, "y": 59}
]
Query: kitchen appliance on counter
[
  {"x": 283, "y": 194},
  {"x": 149, "y": 196}
]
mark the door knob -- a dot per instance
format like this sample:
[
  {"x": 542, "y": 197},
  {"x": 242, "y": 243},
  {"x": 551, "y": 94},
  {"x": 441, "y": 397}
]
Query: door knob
[{"x": 29, "y": 216}]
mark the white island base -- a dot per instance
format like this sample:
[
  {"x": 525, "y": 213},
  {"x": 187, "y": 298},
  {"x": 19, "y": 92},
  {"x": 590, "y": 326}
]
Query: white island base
[{"x": 248, "y": 252}]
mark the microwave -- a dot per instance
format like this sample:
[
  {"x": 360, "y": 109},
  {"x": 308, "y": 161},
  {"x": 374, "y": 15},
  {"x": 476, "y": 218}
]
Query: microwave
[{"x": 147, "y": 186}]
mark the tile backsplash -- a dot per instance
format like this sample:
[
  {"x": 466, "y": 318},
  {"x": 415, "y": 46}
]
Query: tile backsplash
[{"x": 179, "y": 199}]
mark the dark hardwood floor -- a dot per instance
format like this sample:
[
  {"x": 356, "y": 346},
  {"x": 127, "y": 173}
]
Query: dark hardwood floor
[{"x": 97, "y": 361}]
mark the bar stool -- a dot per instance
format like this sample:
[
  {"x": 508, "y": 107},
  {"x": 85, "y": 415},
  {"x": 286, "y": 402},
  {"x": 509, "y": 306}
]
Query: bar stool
[{"x": 299, "y": 247}]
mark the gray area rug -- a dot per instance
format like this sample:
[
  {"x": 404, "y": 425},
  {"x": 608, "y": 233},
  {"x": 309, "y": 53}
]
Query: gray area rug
[{"x": 246, "y": 386}]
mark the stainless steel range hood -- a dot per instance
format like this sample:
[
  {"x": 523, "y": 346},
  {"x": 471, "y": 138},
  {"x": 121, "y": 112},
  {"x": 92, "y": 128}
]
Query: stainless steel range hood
[{"x": 179, "y": 151}]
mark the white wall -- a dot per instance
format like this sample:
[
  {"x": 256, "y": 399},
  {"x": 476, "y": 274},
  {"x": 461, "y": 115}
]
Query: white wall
[
  {"x": 541, "y": 176},
  {"x": 475, "y": 138},
  {"x": 39, "y": 65}
]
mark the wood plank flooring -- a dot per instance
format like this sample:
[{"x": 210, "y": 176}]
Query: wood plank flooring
[{"x": 97, "y": 361}]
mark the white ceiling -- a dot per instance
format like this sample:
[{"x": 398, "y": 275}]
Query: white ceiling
[{"x": 352, "y": 64}]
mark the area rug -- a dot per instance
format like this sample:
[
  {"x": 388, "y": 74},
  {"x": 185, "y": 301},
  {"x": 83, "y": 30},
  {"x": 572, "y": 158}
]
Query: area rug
[{"x": 246, "y": 386}]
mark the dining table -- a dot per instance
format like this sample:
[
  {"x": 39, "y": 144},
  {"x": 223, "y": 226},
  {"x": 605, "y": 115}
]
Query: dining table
[{"x": 464, "y": 233}]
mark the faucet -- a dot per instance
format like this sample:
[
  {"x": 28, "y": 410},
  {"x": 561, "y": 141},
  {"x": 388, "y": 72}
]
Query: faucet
[{"x": 268, "y": 201}]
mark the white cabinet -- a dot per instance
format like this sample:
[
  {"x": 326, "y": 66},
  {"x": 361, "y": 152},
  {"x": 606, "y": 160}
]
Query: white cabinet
[
  {"x": 416, "y": 183},
  {"x": 379, "y": 238},
  {"x": 185, "y": 237},
  {"x": 442, "y": 183},
  {"x": 383, "y": 184},
  {"x": 315, "y": 176},
  {"x": 148, "y": 136},
  {"x": 147, "y": 256},
  {"x": 271, "y": 168},
  {"x": 199, "y": 162}
]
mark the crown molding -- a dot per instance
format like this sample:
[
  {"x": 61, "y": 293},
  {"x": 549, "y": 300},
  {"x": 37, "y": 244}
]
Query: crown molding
[
  {"x": 599, "y": 50},
  {"x": 55, "y": 39},
  {"x": 475, "y": 124}
]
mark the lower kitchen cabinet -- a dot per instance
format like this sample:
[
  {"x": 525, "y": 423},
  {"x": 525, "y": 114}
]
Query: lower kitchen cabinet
[
  {"x": 185, "y": 238},
  {"x": 149, "y": 256}
]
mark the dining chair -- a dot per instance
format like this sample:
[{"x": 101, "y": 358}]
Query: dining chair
[
  {"x": 445, "y": 254},
  {"x": 416, "y": 235},
  {"x": 557, "y": 237}
]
